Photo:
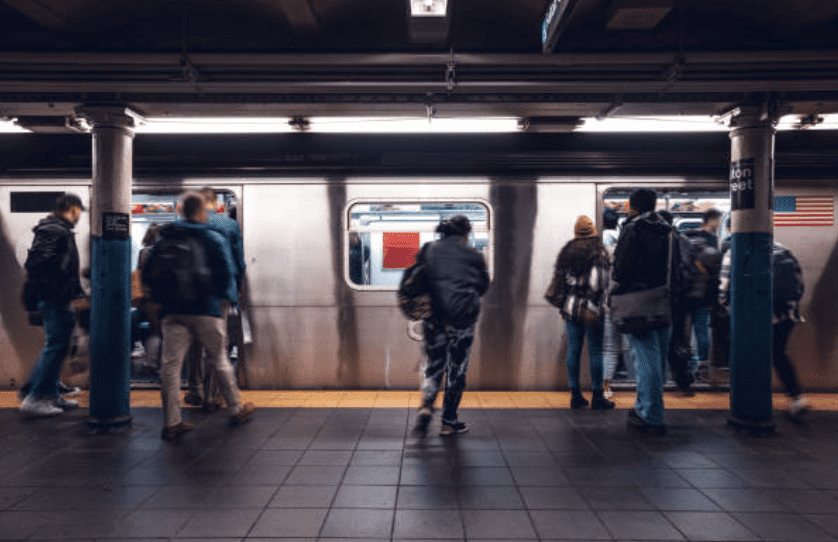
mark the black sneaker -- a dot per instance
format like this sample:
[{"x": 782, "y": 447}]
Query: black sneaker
[
  {"x": 577, "y": 400},
  {"x": 601, "y": 403},
  {"x": 193, "y": 399},
  {"x": 423, "y": 418},
  {"x": 453, "y": 429},
  {"x": 173, "y": 433}
]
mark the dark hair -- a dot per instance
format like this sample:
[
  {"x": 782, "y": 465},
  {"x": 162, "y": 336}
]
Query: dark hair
[
  {"x": 666, "y": 215},
  {"x": 643, "y": 200},
  {"x": 209, "y": 195},
  {"x": 456, "y": 226},
  {"x": 67, "y": 202},
  {"x": 193, "y": 204},
  {"x": 609, "y": 218},
  {"x": 711, "y": 214}
]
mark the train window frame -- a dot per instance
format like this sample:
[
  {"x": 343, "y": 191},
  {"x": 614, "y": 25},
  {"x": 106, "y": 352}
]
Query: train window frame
[{"x": 348, "y": 229}]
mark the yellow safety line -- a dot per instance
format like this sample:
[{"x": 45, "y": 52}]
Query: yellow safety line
[{"x": 471, "y": 399}]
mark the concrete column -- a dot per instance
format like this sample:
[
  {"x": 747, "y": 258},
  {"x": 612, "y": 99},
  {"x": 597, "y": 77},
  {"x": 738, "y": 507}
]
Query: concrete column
[
  {"x": 752, "y": 226},
  {"x": 110, "y": 321}
]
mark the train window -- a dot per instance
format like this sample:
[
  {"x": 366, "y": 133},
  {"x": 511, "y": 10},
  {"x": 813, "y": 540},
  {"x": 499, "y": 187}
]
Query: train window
[
  {"x": 384, "y": 237},
  {"x": 33, "y": 202},
  {"x": 686, "y": 204}
]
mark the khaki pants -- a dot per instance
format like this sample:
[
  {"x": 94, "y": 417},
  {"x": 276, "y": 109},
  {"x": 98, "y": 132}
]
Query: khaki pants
[{"x": 178, "y": 332}]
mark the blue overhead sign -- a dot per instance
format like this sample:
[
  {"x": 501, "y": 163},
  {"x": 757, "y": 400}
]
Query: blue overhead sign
[{"x": 550, "y": 24}]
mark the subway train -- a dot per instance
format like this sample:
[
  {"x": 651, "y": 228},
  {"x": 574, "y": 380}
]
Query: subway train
[{"x": 324, "y": 258}]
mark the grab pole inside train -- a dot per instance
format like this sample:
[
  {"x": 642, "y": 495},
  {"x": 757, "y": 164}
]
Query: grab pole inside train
[
  {"x": 752, "y": 200},
  {"x": 110, "y": 276}
]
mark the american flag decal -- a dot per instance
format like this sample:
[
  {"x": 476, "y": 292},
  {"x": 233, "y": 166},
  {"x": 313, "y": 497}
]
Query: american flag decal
[{"x": 804, "y": 211}]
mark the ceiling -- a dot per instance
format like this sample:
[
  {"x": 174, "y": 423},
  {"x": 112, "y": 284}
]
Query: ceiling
[{"x": 362, "y": 57}]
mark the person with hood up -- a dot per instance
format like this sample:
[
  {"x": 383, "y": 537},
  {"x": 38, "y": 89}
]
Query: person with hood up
[
  {"x": 641, "y": 260},
  {"x": 457, "y": 277},
  {"x": 581, "y": 277}
]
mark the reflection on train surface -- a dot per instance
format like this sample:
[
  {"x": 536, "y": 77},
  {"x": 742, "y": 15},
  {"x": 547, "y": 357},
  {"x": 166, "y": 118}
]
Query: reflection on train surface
[{"x": 324, "y": 258}]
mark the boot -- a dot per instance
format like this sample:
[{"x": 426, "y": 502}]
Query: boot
[
  {"x": 577, "y": 400},
  {"x": 599, "y": 402}
]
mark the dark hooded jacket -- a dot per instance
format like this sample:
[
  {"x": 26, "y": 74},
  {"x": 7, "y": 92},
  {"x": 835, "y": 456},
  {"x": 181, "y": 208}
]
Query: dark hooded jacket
[
  {"x": 457, "y": 277},
  {"x": 641, "y": 256},
  {"x": 52, "y": 265}
]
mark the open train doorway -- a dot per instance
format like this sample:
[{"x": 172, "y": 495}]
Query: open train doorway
[{"x": 152, "y": 209}]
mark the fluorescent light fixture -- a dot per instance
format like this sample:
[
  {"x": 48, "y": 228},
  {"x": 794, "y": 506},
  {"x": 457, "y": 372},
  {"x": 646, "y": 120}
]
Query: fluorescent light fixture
[
  {"x": 9, "y": 127},
  {"x": 685, "y": 123},
  {"x": 346, "y": 125},
  {"x": 213, "y": 125},
  {"x": 808, "y": 122},
  {"x": 428, "y": 8}
]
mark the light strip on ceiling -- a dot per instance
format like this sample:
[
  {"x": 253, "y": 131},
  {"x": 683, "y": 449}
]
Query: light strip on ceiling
[
  {"x": 213, "y": 125},
  {"x": 653, "y": 124},
  {"x": 428, "y": 8},
  {"x": 9, "y": 127}
]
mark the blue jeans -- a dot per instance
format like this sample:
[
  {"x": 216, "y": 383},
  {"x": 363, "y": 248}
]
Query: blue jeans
[
  {"x": 613, "y": 343},
  {"x": 649, "y": 352},
  {"x": 701, "y": 328},
  {"x": 58, "y": 327},
  {"x": 575, "y": 335}
]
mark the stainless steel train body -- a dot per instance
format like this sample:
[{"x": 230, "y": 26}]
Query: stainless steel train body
[{"x": 314, "y": 329}]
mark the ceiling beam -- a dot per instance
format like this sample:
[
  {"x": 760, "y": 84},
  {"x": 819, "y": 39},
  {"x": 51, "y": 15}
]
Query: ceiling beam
[
  {"x": 41, "y": 13},
  {"x": 299, "y": 13}
]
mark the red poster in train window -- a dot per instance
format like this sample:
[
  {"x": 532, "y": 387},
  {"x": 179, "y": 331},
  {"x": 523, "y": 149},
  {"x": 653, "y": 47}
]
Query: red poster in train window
[{"x": 400, "y": 249}]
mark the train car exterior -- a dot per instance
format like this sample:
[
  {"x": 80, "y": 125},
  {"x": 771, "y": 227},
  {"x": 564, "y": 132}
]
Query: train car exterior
[{"x": 313, "y": 327}]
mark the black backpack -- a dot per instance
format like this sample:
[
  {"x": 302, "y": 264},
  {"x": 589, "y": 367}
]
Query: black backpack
[
  {"x": 701, "y": 263},
  {"x": 177, "y": 270},
  {"x": 788, "y": 278},
  {"x": 413, "y": 295}
]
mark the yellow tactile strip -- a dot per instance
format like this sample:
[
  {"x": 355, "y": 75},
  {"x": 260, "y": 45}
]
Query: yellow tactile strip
[{"x": 473, "y": 399}]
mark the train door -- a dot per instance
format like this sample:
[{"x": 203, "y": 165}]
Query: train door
[
  {"x": 152, "y": 208},
  {"x": 687, "y": 206}
]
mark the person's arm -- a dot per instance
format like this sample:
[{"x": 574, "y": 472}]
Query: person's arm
[
  {"x": 483, "y": 287},
  {"x": 724, "y": 280},
  {"x": 622, "y": 255}
]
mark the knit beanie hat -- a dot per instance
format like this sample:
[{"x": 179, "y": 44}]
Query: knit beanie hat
[{"x": 584, "y": 227}]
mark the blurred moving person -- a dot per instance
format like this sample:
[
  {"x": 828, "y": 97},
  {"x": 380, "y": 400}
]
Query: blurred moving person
[
  {"x": 189, "y": 272},
  {"x": 457, "y": 277},
  {"x": 52, "y": 287},
  {"x": 612, "y": 340},
  {"x": 581, "y": 281},
  {"x": 788, "y": 289}
]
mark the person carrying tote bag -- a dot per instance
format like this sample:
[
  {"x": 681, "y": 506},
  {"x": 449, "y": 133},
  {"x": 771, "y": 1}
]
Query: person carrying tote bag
[
  {"x": 641, "y": 302},
  {"x": 578, "y": 290}
]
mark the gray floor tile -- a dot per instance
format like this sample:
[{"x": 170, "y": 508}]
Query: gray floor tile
[
  {"x": 675, "y": 499},
  {"x": 11, "y": 496},
  {"x": 275, "y": 457},
  {"x": 389, "y": 458},
  {"x": 119, "y": 497},
  {"x": 472, "y": 458},
  {"x": 555, "y": 498},
  {"x": 430, "y": 524},
  {"x": 530, "y": 459},
  {"x": 640, "y": 526},
  {"x": 372, "y": 476},
  {"x": 513, "y": 524},
  {"x": 289, "y": 522},
  {"x": 490, "y": 498},
  {"x": 326, "y": 457},
  {"x": 712, "y": 478},
  {"x": 744, "y": 500},
  {"x": 151, "y": 523},
  {"x": 710, "y": 526},
  {"x": 366, "y": 497},
  {"x": 242, "y": 496},
  {"x": 358, "y": 523},
  {"x": 426, "y": 476},
  {"x": 805, "y": 501},
  {"x": 539, "y": 476},
  {"x": 304, "y": 497},
  {"x": 483, "y": 476},
  {"x": 615, "y": 498},
  {"x": 18, "y": 525},
  {"x": 778, "y": 527},
  {"x": 427, "y": 497},
  {"x": 569, "y": 524},
  {"x": 221, "y": 523},
  {"x": 315, "y": 476},
  {"x": 827, "y": 522},
  {"x": 259, "y": 475}
]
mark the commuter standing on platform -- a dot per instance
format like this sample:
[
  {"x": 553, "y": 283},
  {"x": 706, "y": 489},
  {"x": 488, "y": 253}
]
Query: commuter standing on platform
[
  {"x": 189, "y": 272},
  {"x": 457, "y": 277},
  {"x": 581, "y": 281},
  {"x": 52, "y": 286},
  {"x": 788, "y": 288},
  {"x": 641, "y": 261},
  {"x": 612, "y": 340}
]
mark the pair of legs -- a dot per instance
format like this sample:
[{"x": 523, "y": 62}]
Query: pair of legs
[
  {"x": 447, "y": 349},
  {"x": 687, "y": 321},
  {"x": 649, "y": 352},
  {"x": 59, "y": 320},
  {"x": 782, "y": 363},
  {"x": 210, "y": 332}
]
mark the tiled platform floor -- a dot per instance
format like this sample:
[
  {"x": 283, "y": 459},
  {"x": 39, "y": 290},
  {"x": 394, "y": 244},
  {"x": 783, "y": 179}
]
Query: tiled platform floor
[{"x": 354, "y": 473}]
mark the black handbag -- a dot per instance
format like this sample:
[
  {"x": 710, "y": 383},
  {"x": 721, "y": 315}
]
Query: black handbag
[
  {"x": 644, "y": 310},
  {"x": 413, "y": 295}
]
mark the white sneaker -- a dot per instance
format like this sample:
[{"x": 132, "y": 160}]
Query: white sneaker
[
  {"x": 65, "y": 404},
  {"x": 798, "y": 406},
  {"x": 39, "y": 407},
  {"x": 138, "y": 352}
]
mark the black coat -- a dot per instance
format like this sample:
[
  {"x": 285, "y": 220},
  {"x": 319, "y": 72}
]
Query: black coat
[
  {"x": 52, "y": 265},
  {"x": 642, "y": 254},
  {"x": 457, "y": 277}
]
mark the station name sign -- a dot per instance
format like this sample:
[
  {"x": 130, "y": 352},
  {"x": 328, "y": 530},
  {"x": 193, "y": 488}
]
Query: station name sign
[
  {"x": 550, "y": 24},
  {"x": 743, "y": 184}
]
